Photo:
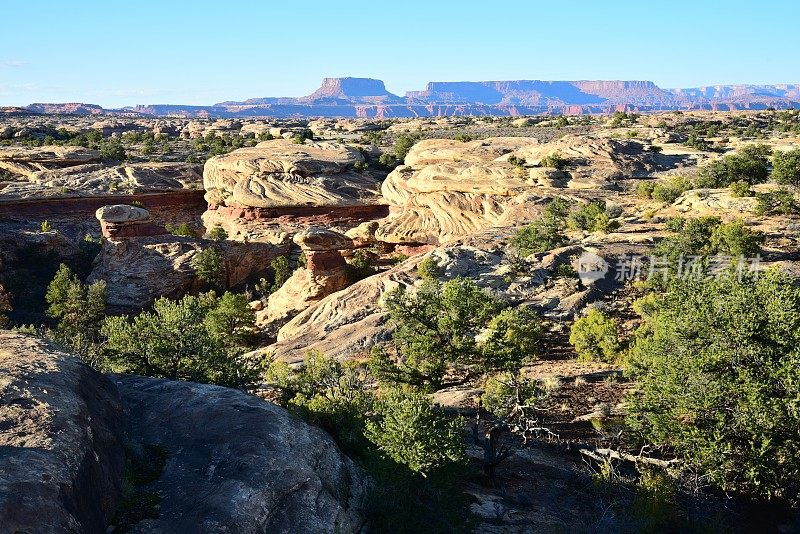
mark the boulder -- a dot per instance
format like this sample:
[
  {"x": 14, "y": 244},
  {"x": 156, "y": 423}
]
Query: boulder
[
  {"x": 315, "y": 239},
  {"x": 61, "y": 440},
  {"x": 448, "y": 189},
  {"x": 236, "y": 463},
  {"x": 122, "y": 221}
]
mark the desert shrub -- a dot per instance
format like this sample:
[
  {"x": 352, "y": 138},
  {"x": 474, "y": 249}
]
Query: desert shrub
[
  {"x": 360, "y": 166},
  {"x": 360, "y": 265},
  {"x": 402, "y": 145},
  {"x": 516, "y": 161},
  {"x": 740, "y": 189},
  {"x": 506, "y": 393},
  {"x": 656, "y": 499},
  {"x": 786, "y": 167},
  {"x": 645, "y": 189},
  {"x": 178, "y": 340},
  {"x": 113, "y": 150},
  {"x": 696, "y": 141},
  {"x": 332, "y": 395},
  {"x": 281, "y": 272},
  {"x": 668, "y": 191},
  {"x": 413, "y": 433},
  {"x": 45, "y": 227},
  {"x": 717, "y": 366},
  {"x": 555, "y": 161},
  {"x": 596, "y": 337},
  {"x": 546, "y": 233},
  {"x": 428, "y": 269},
  {"x": 435, "y": 334},
  {"x": 79, "y": 309},
  {"x": 781, "y": 202},
  {"x": 464, "y": 137},
  {"x": 209, "y": 266},
  {"x": 692, "y": 237},
  {"x": 592, "y": 217},
  {"x": 182, "y": 229},
  {"x": 388, "y": 161},
  {"x": 217, "y": 233},
  {"x": 412, "y": 451},
  {"x": 749, "y": 164},
  {"x": 735, "y": 239}
]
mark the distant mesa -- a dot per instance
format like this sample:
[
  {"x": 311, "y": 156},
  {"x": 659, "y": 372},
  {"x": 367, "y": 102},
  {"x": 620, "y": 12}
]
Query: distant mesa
[{"x": 369, "y": 98}]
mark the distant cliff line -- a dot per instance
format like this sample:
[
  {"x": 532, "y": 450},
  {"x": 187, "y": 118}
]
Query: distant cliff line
[{"x": 369, "y": 98}]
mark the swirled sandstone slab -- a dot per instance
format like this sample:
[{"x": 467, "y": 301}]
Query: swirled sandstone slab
[
  {"x": 280, "y": 173},
  {"x": 448, "y": 189},
  {"x": 96, "y": 180}
]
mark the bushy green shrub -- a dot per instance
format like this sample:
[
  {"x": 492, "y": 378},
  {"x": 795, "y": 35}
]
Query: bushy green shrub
[
  {"x": 786, "y": 167},
  {"x": 428, "y": 269},
  {"x": 716, "y": 362},
  {"x": 645, "y": 189},
  {"x": 182, "y": 229},
  {"x": 402, "y": 145},
  {"x": 436, "y": 329},
  {"x": 209, "y": 266},
  {"x": 740, "y": 189},
  {"x": 592, "y": 217},
  {"x": 596, "y": 337},
  {"x": 749, "y": 164},
  {"x": 506, "y": 393},
  {"x": 669, "y": 190},
  {"x": 781, "y": 202},
  {"x": 705, "y": 236},
  {"x": 555, "y": 161},
  {"x": 217, "y": 233},
  {"x": 544, "y": 234},
  {"x": 79, "y": 309},
  {"x": 195, "y": 338},
  {"x": 735, "y": 239},
  {"x": 413, "y": 433}
]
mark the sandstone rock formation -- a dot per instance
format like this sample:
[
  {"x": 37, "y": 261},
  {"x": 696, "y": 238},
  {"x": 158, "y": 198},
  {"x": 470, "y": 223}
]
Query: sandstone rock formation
[
  {"x": 96, "y": 180},
  {"x": 139, "y": 270},
  {"x": 120, "y": 221},
  {"x": 236, "y": 463},
  {"x": 249, "y": 190},
  {"x": 326, "y": 272},
  {"x": 233, "y": 462},
  {"x": 61, "y": 440},
  {"x": 347, "y": 323},
  {"x": 449, "y": 189},
  {"x": 26, "y": 161}
]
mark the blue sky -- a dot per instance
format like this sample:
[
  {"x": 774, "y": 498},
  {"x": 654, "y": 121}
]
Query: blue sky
[{"x": 117, "y": 53}]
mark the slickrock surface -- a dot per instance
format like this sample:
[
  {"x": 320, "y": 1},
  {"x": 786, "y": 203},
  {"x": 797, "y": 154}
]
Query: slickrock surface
[
  {"x": 61, "y": 428},
  {"x": 239, "y": 464},
  {"x": 280, "y": 173},
  {"x": 257, "y": 193},
  {"x": 234, "y": 462}
]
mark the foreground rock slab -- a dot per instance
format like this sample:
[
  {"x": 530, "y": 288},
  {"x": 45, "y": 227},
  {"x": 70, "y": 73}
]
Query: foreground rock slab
[
  {"x": 236, "y": 463},
  {"x": 61, "y": 428}
]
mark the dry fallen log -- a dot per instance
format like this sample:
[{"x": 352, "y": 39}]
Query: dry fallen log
[{"x": 602, "y": 455}]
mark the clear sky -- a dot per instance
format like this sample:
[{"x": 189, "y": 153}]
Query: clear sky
[{"x": 116, "y": 52}]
